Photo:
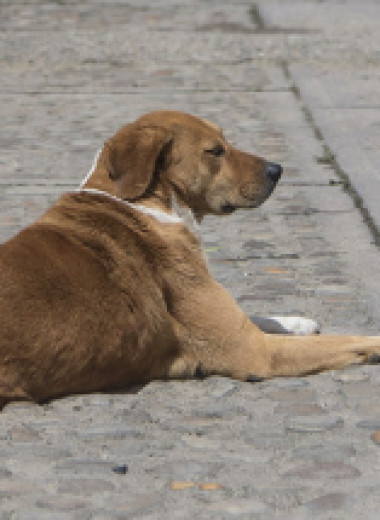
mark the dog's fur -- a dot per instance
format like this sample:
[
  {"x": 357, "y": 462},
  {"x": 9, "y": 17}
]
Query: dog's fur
[{"x": 110, "y": 287}]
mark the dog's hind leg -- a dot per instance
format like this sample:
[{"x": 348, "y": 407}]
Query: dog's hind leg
[{"x": 10, "y": 392}]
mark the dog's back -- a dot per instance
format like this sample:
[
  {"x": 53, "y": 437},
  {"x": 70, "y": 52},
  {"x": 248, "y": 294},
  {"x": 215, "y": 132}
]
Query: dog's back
[{"x": 79, "y": 306}]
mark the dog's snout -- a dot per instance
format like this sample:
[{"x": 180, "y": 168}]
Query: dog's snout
[{"x": 273, "y": 171}]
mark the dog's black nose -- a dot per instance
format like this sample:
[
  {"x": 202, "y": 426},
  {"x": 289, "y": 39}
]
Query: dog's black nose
[{"x": 273, "y": 171}]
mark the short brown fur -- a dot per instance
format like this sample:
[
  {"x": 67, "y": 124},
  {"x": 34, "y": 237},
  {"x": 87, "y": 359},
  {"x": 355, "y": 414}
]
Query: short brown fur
[{"x": 97, "y": 295}]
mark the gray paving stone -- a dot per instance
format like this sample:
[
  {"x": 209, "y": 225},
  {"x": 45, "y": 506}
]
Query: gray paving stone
[
  {"x": 239, "y": 507},
  {"x": 325, "y": 453},
  {"x": 105, "y": 433},
  {"x": 83, "y": 466},
  {"x": 329, "y": 502},
  {"x": 139, "y": 504},
  {"x": 84, "y": 486},
  {"x": 268, "y": 440},
  {"x": 290, "y": 383},
  {"x": 371, "y": 424},
  {"x": 351, "y": 377},
  {"x": 297, "y": 395},
  {"x": 328, "y": 470},
  {"x": 64, "y": 502},
  {"x": 38, "y": 514},
  {"x": 312, "y": 424},
  {"x": 23, "y": 434},
  {"x": 12, "y": 487}
]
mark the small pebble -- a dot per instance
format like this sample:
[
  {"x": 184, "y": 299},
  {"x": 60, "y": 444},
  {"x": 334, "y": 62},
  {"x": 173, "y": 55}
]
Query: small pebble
[
  {"x": 120, "y": 470},
  {"x": 180, "y": 485},
  {"x": 210, "y": 486}
]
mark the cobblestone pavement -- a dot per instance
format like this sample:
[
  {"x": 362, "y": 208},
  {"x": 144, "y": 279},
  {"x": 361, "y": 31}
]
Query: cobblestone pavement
[{"x": 71, "y": 73}]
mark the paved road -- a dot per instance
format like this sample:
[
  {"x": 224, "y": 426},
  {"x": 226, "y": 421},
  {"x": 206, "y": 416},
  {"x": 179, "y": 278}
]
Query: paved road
[{"x": 297, "y": 82}]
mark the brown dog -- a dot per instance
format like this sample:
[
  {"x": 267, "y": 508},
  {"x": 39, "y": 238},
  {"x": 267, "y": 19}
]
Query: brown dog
[{"x": 110, "y": 287}]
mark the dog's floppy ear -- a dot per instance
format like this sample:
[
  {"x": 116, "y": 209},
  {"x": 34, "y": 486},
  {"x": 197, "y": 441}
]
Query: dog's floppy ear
[{"x": 133, "y": 156}]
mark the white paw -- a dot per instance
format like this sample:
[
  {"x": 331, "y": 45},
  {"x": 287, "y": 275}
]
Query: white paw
[{"x": 298, "y": 325}]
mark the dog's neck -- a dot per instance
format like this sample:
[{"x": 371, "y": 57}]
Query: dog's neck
[
  {"x": 160, "y": 215},
  {"x": 179, "y": 214},
  {"x": 165, "y": 207}
]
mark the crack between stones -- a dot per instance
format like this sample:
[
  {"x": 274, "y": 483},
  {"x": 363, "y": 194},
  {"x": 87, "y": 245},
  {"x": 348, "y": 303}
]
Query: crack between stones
[
  {"x": 343, "y": 177},
  {"x": 333, "y": 163},
  {"x": 345, "y": 181}
]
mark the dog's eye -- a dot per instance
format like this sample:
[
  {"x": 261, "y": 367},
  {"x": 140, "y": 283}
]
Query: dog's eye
[{"x": 216, "y": 151}]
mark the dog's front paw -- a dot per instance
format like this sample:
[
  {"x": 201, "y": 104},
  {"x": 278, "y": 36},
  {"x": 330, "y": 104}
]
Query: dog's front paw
[{"x": 297, "y": 325}]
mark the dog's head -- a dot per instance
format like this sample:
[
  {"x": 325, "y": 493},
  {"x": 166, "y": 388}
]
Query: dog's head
[{"x": 170, "y": 153}]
